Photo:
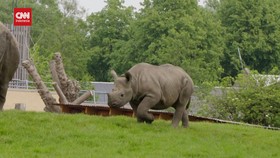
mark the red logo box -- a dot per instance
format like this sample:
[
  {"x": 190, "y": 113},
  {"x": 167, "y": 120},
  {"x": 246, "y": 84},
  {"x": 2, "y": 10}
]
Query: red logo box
[{"x": 22, "y": 16}]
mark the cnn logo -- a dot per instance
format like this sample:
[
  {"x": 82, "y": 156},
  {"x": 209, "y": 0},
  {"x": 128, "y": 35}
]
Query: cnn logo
[{"x": 22, "y": 16}]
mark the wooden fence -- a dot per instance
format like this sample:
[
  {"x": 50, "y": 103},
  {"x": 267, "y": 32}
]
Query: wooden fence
[{"x": 22, "y": 34}]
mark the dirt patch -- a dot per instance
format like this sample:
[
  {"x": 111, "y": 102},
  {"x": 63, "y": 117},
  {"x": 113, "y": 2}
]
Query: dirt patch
[{"x": 30, "y": 98}]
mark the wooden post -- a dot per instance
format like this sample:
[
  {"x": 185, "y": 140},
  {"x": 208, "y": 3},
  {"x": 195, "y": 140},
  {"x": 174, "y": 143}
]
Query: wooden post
[{"x": 46, "y": 96}]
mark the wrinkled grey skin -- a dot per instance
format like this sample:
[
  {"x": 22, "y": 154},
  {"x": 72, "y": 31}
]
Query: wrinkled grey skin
[
  {"x": 147, "y": 86},
  {"x": 9, "y": 60}
]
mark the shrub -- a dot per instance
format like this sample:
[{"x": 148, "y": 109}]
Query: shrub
[{"x": 251, "y": 100}]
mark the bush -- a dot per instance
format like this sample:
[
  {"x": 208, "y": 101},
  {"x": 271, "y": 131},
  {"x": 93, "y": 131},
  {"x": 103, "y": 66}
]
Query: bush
[{"x": 251, "y": 101}]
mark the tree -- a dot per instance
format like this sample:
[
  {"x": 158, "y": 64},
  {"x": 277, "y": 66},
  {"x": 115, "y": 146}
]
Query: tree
[
  {"x": 62, "y": 30},
  {"x": 106, "y": 28},
  {"x": 254, "y": 27},
  {"x": 253, "y": 101},
  {"x": 176, "y": 32}
]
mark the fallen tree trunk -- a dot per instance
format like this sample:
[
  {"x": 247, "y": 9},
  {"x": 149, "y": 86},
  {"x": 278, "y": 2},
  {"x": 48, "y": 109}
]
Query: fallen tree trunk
[
  {"x": 82, "y": 98},
  {"x": 62, "y": 98},
  {"x": 46, "y": 96},
  {"x": 54, "y": 73}
]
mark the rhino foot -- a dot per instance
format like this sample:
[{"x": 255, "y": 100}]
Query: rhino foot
[{"x": 148, "y": 120}]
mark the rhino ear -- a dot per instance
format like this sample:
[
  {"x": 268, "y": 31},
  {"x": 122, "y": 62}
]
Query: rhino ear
[
  {"x": 114, "y": 74},
  {"x": 128, "y": 76}
]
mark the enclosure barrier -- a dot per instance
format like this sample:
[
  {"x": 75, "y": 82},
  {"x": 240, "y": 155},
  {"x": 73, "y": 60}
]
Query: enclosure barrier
[
  {"x": 104, "y": 110},
  {"x": 98, "y": 104}
]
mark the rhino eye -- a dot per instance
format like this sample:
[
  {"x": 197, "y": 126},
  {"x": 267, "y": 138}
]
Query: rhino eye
[{"x": 122, "y": 95}]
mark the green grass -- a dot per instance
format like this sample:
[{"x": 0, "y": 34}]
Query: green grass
[{"x": 31, "y": 134}]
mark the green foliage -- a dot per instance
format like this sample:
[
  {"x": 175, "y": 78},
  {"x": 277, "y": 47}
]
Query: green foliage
[
  {"x": 275, "y": 70},
  {"x": 41, "y": 62},
  {"x": 106, "y": 28},
  {"x": 180, "y": 33},
  {"x": 62, "y": 30},
  {"x": 254, "y": 27},
  {"x": 253, "y": 101},
  {"x": 61, "y": 135},
  {"x": 201, "y": 40}
]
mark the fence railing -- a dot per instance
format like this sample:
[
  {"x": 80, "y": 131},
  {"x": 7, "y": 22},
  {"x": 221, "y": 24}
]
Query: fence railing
[
  {"x": 25, "y": 84},
  {"x": 98, "y": 96}
]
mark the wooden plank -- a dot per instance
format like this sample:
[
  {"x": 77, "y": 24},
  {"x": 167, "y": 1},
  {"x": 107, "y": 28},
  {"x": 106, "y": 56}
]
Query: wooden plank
[
  {"x": 65, "y": 109},
  {"x": 120, "y": 111}
]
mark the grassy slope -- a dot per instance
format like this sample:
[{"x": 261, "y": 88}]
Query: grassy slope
[{"x": 30, "y": 134}]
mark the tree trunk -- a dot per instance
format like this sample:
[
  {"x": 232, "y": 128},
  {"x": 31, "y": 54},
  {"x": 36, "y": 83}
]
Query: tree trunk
[
  {"x": 62, "y": 98},
  {"x": 46, "y": 96},
  {"x": 54, "y": 73},
  {"x": 82, "y": 98},
  {"x": 70, "y": 88}
]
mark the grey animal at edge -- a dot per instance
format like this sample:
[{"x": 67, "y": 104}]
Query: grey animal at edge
[
  {"x": 147, "y": 86},
  {"x": 9, "y": 60}
]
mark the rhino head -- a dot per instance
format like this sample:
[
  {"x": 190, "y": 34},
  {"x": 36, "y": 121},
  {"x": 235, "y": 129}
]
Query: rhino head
[{"x": 122, "y": 92}]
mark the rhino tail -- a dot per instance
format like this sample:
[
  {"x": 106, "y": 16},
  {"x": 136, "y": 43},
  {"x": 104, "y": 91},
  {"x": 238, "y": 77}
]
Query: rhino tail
[{"x": 189, "y": 102}]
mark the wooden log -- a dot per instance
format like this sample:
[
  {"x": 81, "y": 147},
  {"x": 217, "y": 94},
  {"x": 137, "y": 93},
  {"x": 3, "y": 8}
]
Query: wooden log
[
  {"x": 46, "y": 96},
  {"x": 54, "y": 73},
  {"x": 72, "y": 90},
  {"x": 69, "y": 88},
  {"x": 82, "y": 98},
  {"x": 62, "y": 98},
  {"x": 60, "y": 69}
]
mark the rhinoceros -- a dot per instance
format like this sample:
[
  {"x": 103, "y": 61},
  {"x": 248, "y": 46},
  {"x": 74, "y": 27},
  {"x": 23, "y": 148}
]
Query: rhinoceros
[
  {"x": 9, "y": 60},
  {"x": 147, "y": 86}
]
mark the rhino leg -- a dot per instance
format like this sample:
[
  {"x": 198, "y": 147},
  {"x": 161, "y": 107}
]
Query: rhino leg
[
  {"x": 3, "y": 92},
  {"x": 185, "y": 119},
  {"x": 143, "y": 108},
  {"x": 7, "y": 73},
  {"x": 134, "y": 108},
  {"x": 181, "y": 107},
  {"x": 178, "y": 115}
]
